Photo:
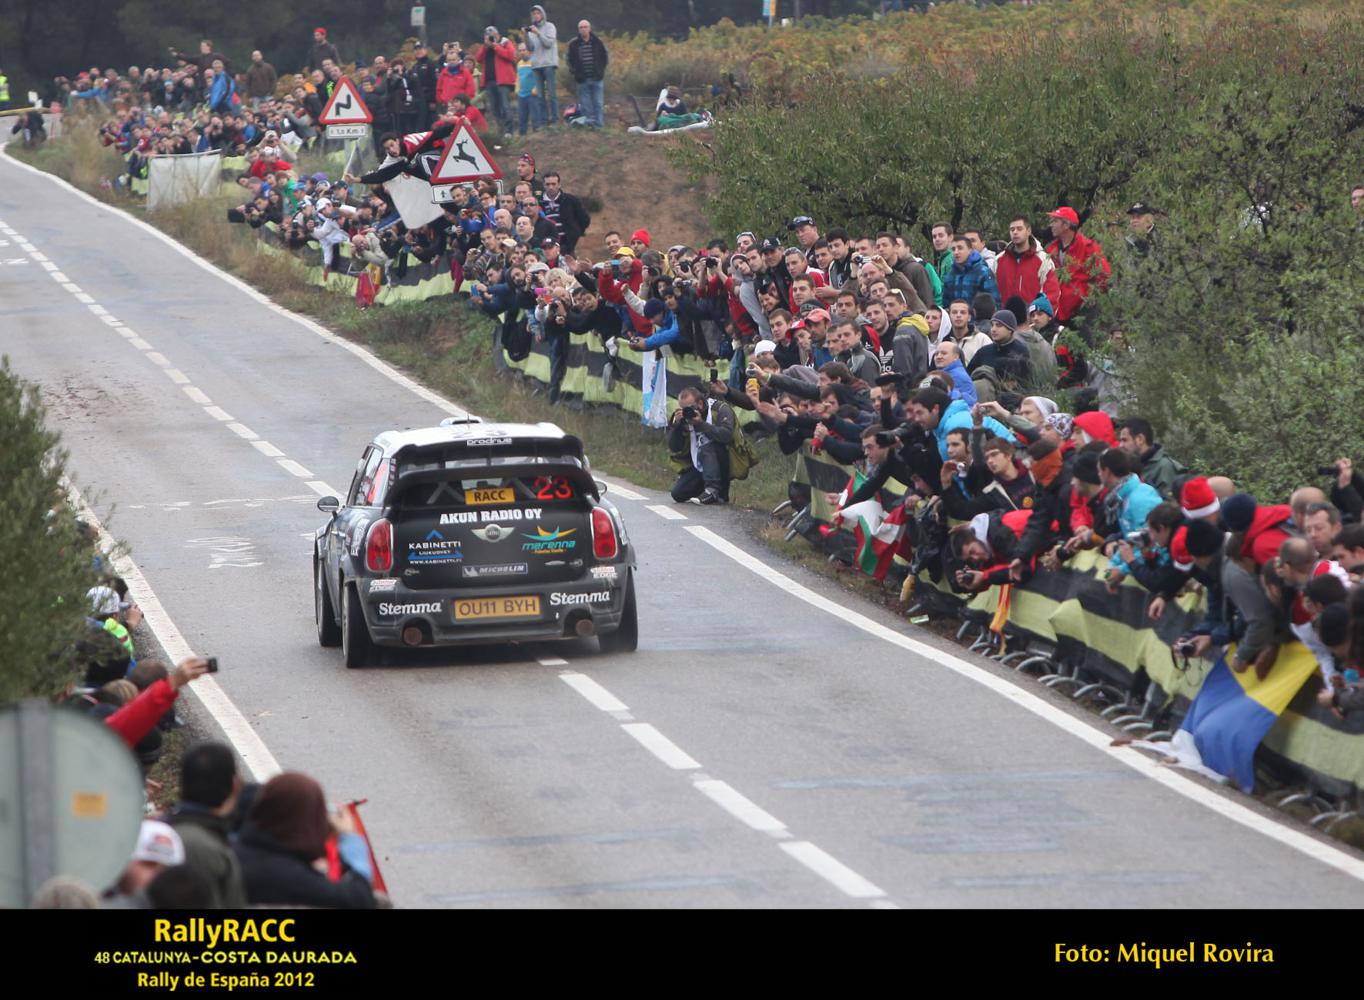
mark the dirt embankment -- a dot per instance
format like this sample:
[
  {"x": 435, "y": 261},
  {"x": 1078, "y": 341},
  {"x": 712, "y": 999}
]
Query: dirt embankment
[{"x": 628, "y": 178}]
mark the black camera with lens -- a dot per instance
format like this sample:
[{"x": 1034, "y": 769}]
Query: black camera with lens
[
  {"x": 690, "y": 413},
  {"x": 1328, "y": 470}
]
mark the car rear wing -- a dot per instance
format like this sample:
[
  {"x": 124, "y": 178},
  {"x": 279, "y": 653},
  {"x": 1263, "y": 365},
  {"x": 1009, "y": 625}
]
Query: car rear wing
[{"x": 514, "y": 459}]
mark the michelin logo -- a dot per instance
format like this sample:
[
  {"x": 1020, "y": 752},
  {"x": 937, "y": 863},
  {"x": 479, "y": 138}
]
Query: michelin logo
[{"x": 596, "y": 597}]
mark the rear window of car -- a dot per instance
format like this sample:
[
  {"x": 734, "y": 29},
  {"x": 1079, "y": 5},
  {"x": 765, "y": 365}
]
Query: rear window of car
[{"x": 485, "y": 491}]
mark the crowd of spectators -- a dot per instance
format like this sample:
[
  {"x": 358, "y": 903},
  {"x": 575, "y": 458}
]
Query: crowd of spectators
[
  {"x": 225, "y": 842},
  {"x": 965, "y": 367}
]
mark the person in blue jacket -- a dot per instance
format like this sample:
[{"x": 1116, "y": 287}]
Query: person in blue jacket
[{"x": 968, "y": 276}]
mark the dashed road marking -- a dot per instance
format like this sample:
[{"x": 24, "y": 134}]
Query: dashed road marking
[
  {"x": 666, "y": 512},
  {"x": 242, "y": 431},
  {"x": 196, "y": 394},
  {"x": 176, "y": 376},
  {"x": 267, "y": 449},
  {"x": 661, "y": 747},
  {"x": 293, "y": 468}
]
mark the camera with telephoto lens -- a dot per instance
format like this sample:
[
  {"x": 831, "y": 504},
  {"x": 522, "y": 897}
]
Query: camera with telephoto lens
[
  {"x": 690, "y": 413},
  {"x": 886, "y": 439}
]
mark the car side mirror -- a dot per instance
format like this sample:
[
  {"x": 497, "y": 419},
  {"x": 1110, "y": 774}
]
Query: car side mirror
[
  {"x": 329, "y": 505},
  {"x": 601, "y": 486}
]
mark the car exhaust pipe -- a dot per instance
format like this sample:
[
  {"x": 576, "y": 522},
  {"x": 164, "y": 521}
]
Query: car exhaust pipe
[
  {"x": 413, "y": 636},
  {"x": 584, "y": 627}
]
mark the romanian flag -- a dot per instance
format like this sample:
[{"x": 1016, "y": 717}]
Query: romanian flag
[
  {"x": 879, "y": 535},
  {"x": 1233, "y": 712}
]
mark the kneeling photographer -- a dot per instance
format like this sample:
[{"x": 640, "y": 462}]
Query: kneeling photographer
[{"x": 699, "y": 435}]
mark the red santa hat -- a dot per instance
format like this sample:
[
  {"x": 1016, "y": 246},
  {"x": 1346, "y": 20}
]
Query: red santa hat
[
  {"x": 1198, "y": 499},
  {"x": 643, "y": 236},
  {"x": 1179, "y": 550}
]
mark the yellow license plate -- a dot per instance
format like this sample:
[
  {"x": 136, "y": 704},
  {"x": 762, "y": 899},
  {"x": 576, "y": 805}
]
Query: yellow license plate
[
  {"x": 504, "y": 494},
  {"x": 473, "y": 608}
]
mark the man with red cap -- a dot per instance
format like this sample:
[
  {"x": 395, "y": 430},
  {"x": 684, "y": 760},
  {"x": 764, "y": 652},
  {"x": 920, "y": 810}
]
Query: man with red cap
[
  {"x": 639, "y": 241},
  {"x": 322, "y": 49},
  {"x": 1082, "y": 257}
]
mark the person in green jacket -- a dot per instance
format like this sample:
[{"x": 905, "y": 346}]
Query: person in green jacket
[{"x": 1137, "y": 438}]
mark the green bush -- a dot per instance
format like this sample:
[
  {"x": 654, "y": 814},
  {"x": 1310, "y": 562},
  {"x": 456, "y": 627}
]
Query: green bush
[{"x": 47, "y": 557}]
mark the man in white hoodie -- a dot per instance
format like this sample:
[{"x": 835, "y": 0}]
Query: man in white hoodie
[{"x": 543, "y": 41}]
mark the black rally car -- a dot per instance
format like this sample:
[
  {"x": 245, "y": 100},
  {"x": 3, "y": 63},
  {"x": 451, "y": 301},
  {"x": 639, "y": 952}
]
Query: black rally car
[{"x": 472, "y": 532}]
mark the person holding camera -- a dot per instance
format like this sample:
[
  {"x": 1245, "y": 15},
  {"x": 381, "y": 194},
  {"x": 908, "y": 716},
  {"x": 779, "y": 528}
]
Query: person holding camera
[
  {"x": 496, "y": 59},
  {"x": 542, "y": 38},
  {"x": 699, "y": 433}
]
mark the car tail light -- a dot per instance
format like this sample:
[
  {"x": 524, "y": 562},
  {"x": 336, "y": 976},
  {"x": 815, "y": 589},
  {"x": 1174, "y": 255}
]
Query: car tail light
[
  {"x": 379, "y": 547},
  {"x": 603, "y": 534}
]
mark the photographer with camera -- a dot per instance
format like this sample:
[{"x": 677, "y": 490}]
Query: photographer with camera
[
  {"x": 496, "y": 58},
  {"x": 699, "y": 434}
]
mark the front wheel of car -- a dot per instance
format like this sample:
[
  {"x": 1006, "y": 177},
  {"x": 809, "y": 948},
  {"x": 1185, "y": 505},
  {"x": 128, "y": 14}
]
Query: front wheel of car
[
  {"x": 355, "y": 644},
  {"x": 626, "y": 638},
  {"x": 328, "y": 630}
]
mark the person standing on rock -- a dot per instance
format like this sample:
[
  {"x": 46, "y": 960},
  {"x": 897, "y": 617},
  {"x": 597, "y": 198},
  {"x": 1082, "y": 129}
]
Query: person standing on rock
[{"x": 543, "y": 41}]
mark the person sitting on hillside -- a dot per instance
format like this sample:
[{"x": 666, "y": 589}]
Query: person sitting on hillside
[{"x": 670, "y": 111}]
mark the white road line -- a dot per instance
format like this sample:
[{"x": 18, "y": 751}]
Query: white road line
[
  {"x": 321, "y": 489},
  {"x": 242, "y": 431},
  {"x": 97, "y": 309},
  {"x": 158, "y": 359},
  {"x": 260, "y": 763},
  {"x": 27, "y": 247},
  {"x": 666, "y": 512},
  {"x": 831, "y": 869},
  {"x": 49, "y": 266},
  {"x": 139, "y": 343},
  {"x": 109, "y": 320},
  {"x": 1075, "y": 726},
  {"x": 176, "y": 376},
  {"x": 127, "y": 331},
  {"x": 60, "y": 278},
  {"x": 267, "y": 449},
  {"x": 83, "y": 297},
  {"x": 217, "y": 413},
  {"x": 593, "y": 692},
  {"x": 551, "y": 661},
  {"x": 293, "y": 468},
  {"x": 197, "y": 395},
  {"x": 742, "y": 808},
  {"x": 387, "y": 370},
  {"x": 661, "y": 747},
  {"x": 38, "y": 257},
  {"x": 622, "y": 491}
]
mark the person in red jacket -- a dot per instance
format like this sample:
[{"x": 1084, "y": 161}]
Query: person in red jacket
[
  {"x": 496, "y": 59},
  {"x": 612, "y": 284},
  {"x": 1261, "y": 528},
  {"x": 1023, "y": 267},
  {"x": 456, "y": 79},
  {"x": 138, "y": 717},
  {"x": 1082, "y": 257}
]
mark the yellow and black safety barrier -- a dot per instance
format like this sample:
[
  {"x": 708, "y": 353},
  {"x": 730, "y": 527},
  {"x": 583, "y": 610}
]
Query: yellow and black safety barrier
[{"x": 1110, "y": 636}]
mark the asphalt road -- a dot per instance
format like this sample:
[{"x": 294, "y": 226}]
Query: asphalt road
[{"x": 760, "y": 750}]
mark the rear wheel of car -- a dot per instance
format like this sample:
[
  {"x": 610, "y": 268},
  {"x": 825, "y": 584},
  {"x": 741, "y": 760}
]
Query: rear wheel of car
[
  {"x": 328, "y": 631},
  {"x": 626, "y": 638},
  {"x": 355, "y": 645}
]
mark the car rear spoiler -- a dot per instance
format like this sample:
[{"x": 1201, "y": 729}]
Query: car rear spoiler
[{"x": 431, "y": 467}]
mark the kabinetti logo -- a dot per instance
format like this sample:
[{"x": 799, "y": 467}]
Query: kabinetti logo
[{"x": 434, "y": 550}]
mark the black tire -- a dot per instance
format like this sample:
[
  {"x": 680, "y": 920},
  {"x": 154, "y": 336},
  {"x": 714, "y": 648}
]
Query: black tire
[
  {"x": 624, "y": 639},
  {"x": 328, "y": 629},
  {"x": 356, "y": 647}
]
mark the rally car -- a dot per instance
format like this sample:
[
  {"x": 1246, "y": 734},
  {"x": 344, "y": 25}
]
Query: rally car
[{"x": 472, "y": 532}]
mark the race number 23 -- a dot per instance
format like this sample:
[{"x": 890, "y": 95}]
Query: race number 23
[{"x": 557, "y": 488}]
